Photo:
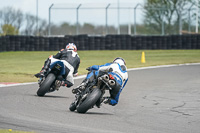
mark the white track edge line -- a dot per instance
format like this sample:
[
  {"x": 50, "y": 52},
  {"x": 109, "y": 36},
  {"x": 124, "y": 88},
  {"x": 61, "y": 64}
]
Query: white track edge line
[{"x": 131, "y": 69}]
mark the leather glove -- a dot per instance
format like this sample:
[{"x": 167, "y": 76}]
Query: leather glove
[{"x": 88, "y": 68}]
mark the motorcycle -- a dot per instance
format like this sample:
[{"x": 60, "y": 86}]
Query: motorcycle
[
  {"x": 93, "y": 93},
  {"x": 52, "y": 79}
]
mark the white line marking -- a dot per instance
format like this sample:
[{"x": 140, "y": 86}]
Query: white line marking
[
  {"x": 131, "y": 69},
  {"x": 161, "y": 66},
  {"x": 17, "y": 84}
]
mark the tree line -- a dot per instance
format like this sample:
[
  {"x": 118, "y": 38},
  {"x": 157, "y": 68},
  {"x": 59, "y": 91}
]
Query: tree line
[
  {"x": 170, "y": 13},
  {"x": 15, "y": 22},
  {"x": 159, "y": 15}
]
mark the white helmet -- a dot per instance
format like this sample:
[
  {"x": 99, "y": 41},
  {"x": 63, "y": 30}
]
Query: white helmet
[
  {"x": 120, "y": 61},
  {"x": 71, "y": 46}
]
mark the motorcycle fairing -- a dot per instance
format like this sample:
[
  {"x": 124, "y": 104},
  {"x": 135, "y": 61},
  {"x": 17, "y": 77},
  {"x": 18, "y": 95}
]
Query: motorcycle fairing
[{"x": 62, "y": 72}]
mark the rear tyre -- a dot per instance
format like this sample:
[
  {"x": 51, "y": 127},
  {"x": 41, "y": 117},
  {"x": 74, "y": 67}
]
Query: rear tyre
[
  {"x": 89, "y": 101},
  {"x": 45, "y": 86}
]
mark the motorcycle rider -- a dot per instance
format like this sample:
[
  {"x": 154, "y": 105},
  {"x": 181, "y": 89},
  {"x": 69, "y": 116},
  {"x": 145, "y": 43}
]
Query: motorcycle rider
[
  {"x": 71, "y": 60},
  {"x": 118, "y": 69}
]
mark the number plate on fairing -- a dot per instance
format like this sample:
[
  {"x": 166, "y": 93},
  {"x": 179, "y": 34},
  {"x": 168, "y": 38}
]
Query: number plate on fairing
[{"x": 58, "y": 66}]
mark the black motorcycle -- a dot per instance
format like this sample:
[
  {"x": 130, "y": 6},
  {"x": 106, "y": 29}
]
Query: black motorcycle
[
  {"x": 93, "y": 93},
  {"x": 52, "y": 79}
]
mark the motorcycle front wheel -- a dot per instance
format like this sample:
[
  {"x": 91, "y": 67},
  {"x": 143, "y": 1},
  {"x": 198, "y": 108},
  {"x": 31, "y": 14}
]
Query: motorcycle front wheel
[
  {"x": 90, "y": 101},
  {"x": 72, "y": 107},
  {"x": 46, "y": 85}
]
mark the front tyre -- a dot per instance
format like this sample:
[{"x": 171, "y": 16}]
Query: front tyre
[
  {"x": 72, "y": 107},
  {"x": 89, "y": 101},
  {"x": 46, "y": 85}
]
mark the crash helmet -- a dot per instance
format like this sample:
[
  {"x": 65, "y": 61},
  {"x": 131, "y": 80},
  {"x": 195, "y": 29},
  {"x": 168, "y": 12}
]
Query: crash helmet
[
  {"x": 71, "y": 46},
  {"x": 119, "y": 60}
]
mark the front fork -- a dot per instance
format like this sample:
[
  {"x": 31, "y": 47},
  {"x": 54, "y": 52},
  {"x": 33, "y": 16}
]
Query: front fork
[
  {"x": 80, "y": 95},
  {"x": 40, "y": 80}
]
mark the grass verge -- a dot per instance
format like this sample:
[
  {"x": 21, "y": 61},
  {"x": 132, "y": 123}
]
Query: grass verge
[{"x": 21, "y": 66}]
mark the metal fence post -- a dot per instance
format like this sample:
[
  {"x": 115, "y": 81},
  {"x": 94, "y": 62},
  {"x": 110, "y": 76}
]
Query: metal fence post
[
  {"x": 37, "y": 17},
  {"x": 118, "y": 6},
  {"x": 197, "y": 16},
  {"x": 77, "y": 23},
  {"x": 189, "y": 21},
  {"x": 180, "y": 24},
  {"x": 107, "y": 18},
  {"x": 49, "y": 27},
  {"x": 163, "y": 28},
  {"x": 129, "y": 25},
  {"x": 135, "y": 27}
]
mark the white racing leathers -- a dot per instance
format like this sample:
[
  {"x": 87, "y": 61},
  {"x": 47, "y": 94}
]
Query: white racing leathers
[
  {"x": 120, "y": 74},
  {"x": 117, "y": 70}
]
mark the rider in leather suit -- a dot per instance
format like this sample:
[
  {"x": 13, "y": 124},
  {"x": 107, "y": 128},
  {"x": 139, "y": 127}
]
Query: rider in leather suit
[
  {"x": 71, "y": 60},
  {"x": 120, "y": 74}
]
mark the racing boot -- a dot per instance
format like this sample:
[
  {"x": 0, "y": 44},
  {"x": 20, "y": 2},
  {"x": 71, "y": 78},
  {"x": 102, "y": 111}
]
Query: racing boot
[
  {"x": 105, "y": 100},
  {"x": 44, "y": 69},
  {"x": 66, "y": 83},
  {"x": 98, "y": 103},
  {"x": 81, "y": 87}
]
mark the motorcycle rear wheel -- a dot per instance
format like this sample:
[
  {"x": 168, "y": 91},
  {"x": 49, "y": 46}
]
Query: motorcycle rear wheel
[
  {"x": 45, "y": 86},
  {"x": 89, "y": 101}
]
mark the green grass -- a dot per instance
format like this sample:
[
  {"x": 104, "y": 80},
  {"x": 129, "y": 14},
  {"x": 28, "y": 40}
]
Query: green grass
[
  {"x": 12, "y": 131},
  {"x": 21, "y": 66}
]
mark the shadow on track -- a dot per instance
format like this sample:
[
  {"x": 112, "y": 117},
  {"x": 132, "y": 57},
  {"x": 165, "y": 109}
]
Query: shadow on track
[
  {"x": 50, "y": 96},
  {"x": 91, "y": 113}
]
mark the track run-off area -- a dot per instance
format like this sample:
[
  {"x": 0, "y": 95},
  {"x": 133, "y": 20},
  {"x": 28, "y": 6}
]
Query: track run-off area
[{"x": 163, "y": 99}]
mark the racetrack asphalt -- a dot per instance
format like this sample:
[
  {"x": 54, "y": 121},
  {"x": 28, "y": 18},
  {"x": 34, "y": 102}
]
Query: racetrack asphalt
[{"x": 156, "y": 100}]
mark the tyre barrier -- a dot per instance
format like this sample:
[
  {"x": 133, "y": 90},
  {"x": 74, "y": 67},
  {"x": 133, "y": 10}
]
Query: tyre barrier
[{"x": 108, "y": 42}]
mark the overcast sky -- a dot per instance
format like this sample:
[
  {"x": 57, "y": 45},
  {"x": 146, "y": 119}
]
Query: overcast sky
[{"x": 95, "y": 16}]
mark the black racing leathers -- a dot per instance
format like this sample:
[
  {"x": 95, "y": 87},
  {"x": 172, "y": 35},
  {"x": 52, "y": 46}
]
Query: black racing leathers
[{"x": 71, "y": 57}]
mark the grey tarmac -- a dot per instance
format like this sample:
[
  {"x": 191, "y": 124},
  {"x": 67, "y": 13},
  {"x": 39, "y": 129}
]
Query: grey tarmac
[{"x": 157, "y": 100}]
